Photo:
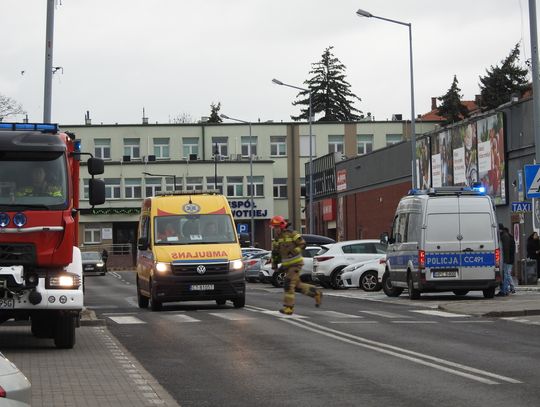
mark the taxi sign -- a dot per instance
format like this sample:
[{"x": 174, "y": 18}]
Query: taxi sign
[{"x": 521, "y": 207}]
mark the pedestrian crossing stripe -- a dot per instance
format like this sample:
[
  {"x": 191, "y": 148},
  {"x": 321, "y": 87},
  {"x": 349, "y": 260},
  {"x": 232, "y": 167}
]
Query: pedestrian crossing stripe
[
  {"x": 336, "y": 314},
  {"x": 127, "y": 320},
  {"x": 230, "y": 317},
  {"x": 440, "y": 313}
]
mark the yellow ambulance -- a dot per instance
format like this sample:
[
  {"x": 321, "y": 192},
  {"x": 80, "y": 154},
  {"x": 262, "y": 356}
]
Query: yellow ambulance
[{"x": 188, "y": 250}]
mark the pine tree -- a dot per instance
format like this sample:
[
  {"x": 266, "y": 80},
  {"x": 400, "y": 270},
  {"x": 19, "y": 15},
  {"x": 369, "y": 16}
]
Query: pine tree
[
  {"x": 214, "y": 113},
  {"x": 451, "y": 107},
  {"x": 330, "y": 92},
  {"x": 502, "y": 81}
]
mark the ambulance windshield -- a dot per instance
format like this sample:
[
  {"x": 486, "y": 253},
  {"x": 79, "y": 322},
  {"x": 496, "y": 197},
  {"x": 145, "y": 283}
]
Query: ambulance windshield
[{"x": 193, "y": 229}]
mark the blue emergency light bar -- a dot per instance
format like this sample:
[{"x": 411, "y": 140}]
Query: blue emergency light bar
[
  {"x": 476, "y": 189},
  {"x": 43, "y": 127}
]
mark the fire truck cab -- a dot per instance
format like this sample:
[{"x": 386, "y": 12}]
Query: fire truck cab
[{"x": 40, "y": 263}]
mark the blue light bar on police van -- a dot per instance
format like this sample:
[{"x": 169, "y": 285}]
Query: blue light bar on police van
[{"x": 44, "y": 127}]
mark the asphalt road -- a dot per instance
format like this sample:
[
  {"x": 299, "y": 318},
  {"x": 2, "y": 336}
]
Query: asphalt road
[{"x": 359, "y": 349}]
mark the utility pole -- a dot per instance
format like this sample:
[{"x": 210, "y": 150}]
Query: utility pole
[
  {"x": 535, "y": 78},
  {"x": 47, "y": 94}
]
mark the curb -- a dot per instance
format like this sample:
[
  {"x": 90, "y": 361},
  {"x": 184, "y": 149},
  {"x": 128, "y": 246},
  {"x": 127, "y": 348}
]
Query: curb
[{"x": 88, "y": 318}]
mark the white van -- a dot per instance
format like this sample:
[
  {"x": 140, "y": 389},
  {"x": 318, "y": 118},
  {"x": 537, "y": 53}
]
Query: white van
[{"x": 443, "y": 239}]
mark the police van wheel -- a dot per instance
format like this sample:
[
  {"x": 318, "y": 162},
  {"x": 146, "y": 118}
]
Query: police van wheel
[
  {"x": 489, "y": 292},
  {"x": 414, "y": 294},
  {"x": 460, "y": 292},
  {"x": 388, "y": 288}
]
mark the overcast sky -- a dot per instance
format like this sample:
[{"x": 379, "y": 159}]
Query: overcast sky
[{"x": 176, "y": 57}]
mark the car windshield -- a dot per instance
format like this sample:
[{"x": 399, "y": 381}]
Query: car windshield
[
  {"x": 31, "y": 181},
  {"x": 193, "y": 229},
  {"x": 91, "y": 256}
]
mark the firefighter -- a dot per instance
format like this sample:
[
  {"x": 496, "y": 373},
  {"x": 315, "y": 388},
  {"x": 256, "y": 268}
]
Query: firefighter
[
  {"x": 40, "y": 186},
  {"x": 287, "y": 250}
]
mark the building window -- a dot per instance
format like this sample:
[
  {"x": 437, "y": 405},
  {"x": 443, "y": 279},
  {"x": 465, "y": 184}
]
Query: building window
[
  {"x": 132, "y": 188},
  {"x": 190, "y": 145},
  {"x": 220, "y": 144},
  {"x": 102, "y": 148},
  {"x": 86, "y": 189},
  {"x": 280, "y": 188},
  {"x": 364, "y": 144},
  {"x": 132, "y": 147},
  {"x": 152, "y": 186},
  {"x": 278, "y": 146},
  {"x": 249, "y": 146},
  {"x": 335, "y": 144},
  {"x": 210, "y": 184},
  {"x": 235, "y": 186},
  {"x": 92, "y": 236},
  {"x": 393, "y": 139},
  {"x": 169, "y": 183},
  {"x": 112, "y": 188},
  {"x": 302, "y": 187},
  {"x": 258, "y": 186},
  {"x": 304, "y": 146},
  {"x": 194, "y": 183},
  {"x": 161, "y": 148}
]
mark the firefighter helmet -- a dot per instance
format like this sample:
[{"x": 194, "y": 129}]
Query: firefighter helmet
[{"x": 278, "y": 222}]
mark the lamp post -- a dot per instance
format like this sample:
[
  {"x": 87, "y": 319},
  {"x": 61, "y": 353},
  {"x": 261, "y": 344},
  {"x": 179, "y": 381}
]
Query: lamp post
[
  {"x": 252, "y": 208},
  {"x": 363, "y": 13},
  {"x": 163, "y": 175},
  {"x": 310, "y": 197}
]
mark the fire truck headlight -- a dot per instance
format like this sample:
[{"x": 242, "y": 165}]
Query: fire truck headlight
[{"x": 64, "y": 281}]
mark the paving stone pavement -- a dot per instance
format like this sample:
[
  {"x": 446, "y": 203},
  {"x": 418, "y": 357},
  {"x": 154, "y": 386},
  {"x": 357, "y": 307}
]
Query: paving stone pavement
[{"x": 98, "y": 371}]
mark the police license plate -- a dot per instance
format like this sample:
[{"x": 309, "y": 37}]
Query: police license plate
[
  {"x": 201, "y": 287},
  {"x": 445, "y": 273},
  {"x": 7, "y": 303}
]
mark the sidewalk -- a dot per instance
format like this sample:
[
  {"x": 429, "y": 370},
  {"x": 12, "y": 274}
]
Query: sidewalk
[
  {"x": 526, "y": 301},
  {"x": 98, "y": 371}
]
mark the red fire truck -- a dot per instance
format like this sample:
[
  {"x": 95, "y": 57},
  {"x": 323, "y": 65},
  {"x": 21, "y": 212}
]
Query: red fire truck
[{"x": 40, "y": 262}]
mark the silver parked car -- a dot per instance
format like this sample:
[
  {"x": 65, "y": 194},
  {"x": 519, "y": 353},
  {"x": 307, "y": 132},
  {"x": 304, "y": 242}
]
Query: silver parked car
[{"x": 15, "y": 389}]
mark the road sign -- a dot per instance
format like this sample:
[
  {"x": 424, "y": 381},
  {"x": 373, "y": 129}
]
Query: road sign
[
  {"x": 521, "y": 207},
  {"x": 532, "y": 181},
  {"x": 243, "y": 228}
]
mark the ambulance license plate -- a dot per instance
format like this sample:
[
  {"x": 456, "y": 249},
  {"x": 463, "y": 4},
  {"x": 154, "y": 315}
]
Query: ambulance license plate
[
  {"x": 7, "y": 303},
  {"x": 201, "y": 287}
]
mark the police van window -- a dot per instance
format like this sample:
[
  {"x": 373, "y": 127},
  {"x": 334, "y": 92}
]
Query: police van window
[
  {"x": 401, "y": 225},
  {"x": 413, "y": 227},
  {"x": 442, "y": 227}
]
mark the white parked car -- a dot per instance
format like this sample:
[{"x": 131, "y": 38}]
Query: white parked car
[
  {"x": 366, "y": 275},
  {"x": 267, "y": 275},
  {"x": 15, "y": 389},
  {"x": 329, "y": 263}
]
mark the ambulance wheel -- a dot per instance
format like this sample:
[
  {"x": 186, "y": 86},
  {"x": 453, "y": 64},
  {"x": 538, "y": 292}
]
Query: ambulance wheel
[
  {"x": 64, "y": 333},
  {"x": 155, "y": 305},
  {"x": 142, "y": 301},
  {"x": 388, "y": 288},
  {"x": 460, "y": 292},
  {"x": 489, "y": 292},
  {"x": 414, "y": 294},
  {"x": 239, "y": 302}
]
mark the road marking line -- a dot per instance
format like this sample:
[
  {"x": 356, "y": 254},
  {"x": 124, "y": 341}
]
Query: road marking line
[
  {"x": 181, "y": 318},
  {"x": 440, "y": 313},
  {"x": 386, "y": 314},
  {"x": 336, "y": 314},
  {"x": 353, "y": 322},
  {"x": 415, "y": 322},
  {"x": 471, "y": 322},
  {"x": 127, "y": 320},
  {"x": 230, "y": 317}
]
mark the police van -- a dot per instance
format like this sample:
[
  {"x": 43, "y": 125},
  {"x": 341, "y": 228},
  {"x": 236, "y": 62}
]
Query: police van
[
  {"x": 188, "y": 250},
  {"x": 443, "y": 239}
]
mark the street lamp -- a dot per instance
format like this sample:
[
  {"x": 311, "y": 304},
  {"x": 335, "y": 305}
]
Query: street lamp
[
  {"x": 311, "y": 215},
  {"x": 252, "y": 208},
  {"x": 163, "y": 175},
  {"x": 363, "y": 13}
]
